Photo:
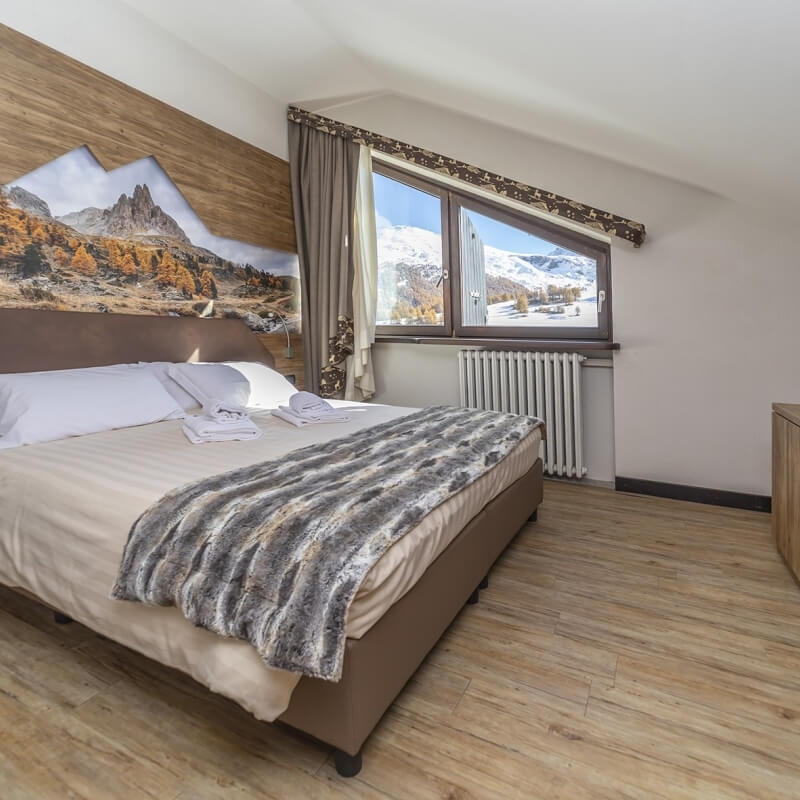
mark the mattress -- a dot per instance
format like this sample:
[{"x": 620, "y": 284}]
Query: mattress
[{"x": 66, "y": 508}]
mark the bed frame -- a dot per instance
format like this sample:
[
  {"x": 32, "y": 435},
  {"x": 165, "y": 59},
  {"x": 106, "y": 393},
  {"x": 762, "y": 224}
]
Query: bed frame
[{"x": 377, "y": 666}]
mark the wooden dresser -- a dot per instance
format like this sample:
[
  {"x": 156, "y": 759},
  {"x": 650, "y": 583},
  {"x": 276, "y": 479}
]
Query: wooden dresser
[{"x": 786, "y": 482}]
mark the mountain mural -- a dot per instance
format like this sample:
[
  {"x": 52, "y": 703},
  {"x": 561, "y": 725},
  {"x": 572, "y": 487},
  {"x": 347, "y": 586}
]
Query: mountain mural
[
  {"x": 27, "y": 201},
  {"x": 136, "y": 215},
  {"x": 74, "y": 237}
]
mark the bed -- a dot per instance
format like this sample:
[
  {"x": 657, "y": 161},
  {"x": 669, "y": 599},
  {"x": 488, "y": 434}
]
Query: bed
[{"x": 66, "y": 507}]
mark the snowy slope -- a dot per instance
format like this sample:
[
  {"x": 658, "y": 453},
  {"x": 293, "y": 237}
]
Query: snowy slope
[
  {"x": 413, "y": 247},
  {"x": 421, "y": 249}
]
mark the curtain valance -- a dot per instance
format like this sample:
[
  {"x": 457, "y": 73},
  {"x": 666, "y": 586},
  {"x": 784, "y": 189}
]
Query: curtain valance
[{"x": 540, "y": 199}]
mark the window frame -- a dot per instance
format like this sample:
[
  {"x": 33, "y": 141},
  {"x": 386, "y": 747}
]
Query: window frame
[
  {"x": 437, "y": 190},
  {"x": 452, "y": 201}
]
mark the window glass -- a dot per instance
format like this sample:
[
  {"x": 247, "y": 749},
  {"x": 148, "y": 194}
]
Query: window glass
[
  {"x": 511, "y": 278},
  {"x": 410, "y": 279},
  {"x": 464, "y": 266}
]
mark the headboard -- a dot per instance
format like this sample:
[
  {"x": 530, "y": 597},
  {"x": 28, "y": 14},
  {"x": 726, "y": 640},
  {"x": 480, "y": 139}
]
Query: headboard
[{"x": 32, "y": 340}]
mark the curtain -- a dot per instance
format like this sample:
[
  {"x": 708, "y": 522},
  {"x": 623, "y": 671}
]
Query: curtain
[
  {"x": 323, "y": 171},
  {"x": 360, "y": 380},
  {"x": 540, "y": 199}
]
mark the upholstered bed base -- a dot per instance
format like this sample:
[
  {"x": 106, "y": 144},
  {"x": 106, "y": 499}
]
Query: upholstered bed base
[{"x": 378, "y": 665}]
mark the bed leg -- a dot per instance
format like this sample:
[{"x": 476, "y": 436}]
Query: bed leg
[
  {"x": 346, "y": 765},
  {"x": 474, "y": 597},
  {"x": 533, "y": 517},
  {"x": 61, "y": 619},
  {"x": 484, "y": 584}
]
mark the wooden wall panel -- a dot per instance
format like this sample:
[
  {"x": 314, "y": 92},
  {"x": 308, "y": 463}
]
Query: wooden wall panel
[
  {"x": 275, "y": 343},
  {"x": 51, "y": 104}
]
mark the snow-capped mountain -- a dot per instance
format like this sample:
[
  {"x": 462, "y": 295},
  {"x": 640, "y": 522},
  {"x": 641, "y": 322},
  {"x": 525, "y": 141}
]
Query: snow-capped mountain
[
  {"x": 420, "y": 251},
  {"x": 412, "y": 247},
  {"x": 537, "y": 270}
]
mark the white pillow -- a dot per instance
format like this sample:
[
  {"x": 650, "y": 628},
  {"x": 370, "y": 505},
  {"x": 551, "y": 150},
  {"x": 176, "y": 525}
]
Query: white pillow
[
  {"x": 211, "y": 382},
  {"x": 161, "y": 370},
  {"x": 268, "y": 388},
  {"x": 45, "y": 406}
]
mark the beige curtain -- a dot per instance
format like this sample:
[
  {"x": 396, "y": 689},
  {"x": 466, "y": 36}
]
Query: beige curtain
[
  {"x": 360, "y": 379},
  {"x": 323, "y": 170}
]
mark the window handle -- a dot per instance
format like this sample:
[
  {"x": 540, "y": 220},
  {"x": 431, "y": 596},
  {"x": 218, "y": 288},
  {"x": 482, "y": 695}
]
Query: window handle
[
  {"x": 601, "y": 298},
  {"x": 444, "y": 276}
]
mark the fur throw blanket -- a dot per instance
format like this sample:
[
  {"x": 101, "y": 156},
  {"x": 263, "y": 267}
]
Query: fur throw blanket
[{"x": 274, "y": 553}]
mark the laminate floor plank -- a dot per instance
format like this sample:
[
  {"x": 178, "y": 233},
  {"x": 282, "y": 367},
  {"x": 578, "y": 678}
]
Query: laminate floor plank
[{"x": 626, "y": 647}]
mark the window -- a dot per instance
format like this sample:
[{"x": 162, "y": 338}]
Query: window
[
  {"x": 452, "y": 264},
  {"x": 410, "y": 217}
]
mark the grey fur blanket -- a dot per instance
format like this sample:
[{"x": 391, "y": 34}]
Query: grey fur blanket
[{"x": 274, "y": 553}]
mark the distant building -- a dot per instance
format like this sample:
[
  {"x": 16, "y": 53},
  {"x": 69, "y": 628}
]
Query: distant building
[{"x": 474, "y": 309}]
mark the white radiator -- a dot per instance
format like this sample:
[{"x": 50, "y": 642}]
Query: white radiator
[{"x": 544, "y": 385}]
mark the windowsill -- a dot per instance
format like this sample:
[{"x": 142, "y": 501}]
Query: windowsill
[{"x": 551, "y": 345}]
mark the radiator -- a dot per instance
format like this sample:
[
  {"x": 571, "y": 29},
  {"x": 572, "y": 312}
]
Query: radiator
[{"x": 544, "y": 385}]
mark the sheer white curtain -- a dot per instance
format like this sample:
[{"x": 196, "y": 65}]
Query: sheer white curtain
[{"x": 360, "y": 380}]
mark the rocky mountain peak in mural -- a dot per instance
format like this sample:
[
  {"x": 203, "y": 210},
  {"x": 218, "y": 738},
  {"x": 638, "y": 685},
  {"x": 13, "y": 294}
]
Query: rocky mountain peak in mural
[
  {"x": 28, "y": 201},
  {"x": 74, "y": 237},
  {"x": 136, "y": 215}
]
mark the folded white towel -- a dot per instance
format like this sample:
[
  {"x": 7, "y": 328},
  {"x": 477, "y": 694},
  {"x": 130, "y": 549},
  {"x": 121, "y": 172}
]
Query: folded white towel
[
  {"x": 309, "y": 406},
  {"x": 339, "y": 416},
  {"x": 199, "y": 429},
  {"x": 287, "y": 415},
  {"x": 224, "y": 413}
]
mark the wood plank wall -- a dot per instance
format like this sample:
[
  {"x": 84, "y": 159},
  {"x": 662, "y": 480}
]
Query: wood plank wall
[{"x": 50, "y": 104}]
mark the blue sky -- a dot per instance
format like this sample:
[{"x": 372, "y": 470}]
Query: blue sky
[
  {"x": 77, "y": 180},
  {"x": 398, "y": 204}
]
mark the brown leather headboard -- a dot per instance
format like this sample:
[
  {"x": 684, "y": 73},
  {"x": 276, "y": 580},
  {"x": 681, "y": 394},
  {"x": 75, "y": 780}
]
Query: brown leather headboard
[{"x": 32, "y": 340}]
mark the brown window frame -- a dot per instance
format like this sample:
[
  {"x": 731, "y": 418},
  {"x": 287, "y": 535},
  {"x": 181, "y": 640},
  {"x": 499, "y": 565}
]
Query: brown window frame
[{"x": 452, "y": 201}]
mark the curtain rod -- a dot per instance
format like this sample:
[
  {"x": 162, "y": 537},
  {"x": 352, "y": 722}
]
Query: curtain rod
[{"x": 549, "y": 202}]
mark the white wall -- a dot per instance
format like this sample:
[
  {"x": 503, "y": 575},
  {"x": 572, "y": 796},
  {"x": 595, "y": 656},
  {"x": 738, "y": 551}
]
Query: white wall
[
  {"x": 113, "y": 38},
  {"x": 705, "y": 311},
  {"x": 427, "y": 375}
]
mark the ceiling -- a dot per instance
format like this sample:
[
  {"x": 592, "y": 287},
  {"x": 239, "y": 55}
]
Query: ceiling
[{"x": 703, "y": 91}]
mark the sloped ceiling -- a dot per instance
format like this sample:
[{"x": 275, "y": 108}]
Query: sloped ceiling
[{"x": 703, "y": 91}]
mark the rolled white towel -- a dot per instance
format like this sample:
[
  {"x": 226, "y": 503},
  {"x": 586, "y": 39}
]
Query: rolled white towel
[
  {"x": 224, "y": 413},
  {"x": 199, "y": 429}
]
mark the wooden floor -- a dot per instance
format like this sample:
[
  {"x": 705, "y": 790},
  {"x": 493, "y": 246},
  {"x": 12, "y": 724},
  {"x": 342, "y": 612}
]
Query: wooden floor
[{"x": 626, "y": 647}]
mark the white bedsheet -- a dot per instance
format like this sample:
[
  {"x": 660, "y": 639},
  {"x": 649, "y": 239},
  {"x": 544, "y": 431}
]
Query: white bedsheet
[{"x": 66, "y": 508}]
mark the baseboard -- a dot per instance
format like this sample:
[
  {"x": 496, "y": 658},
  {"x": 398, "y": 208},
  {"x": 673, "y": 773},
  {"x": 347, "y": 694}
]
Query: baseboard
[
  {"x": 580, "y": 481},
  {"x": 695, "y": 494}
]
